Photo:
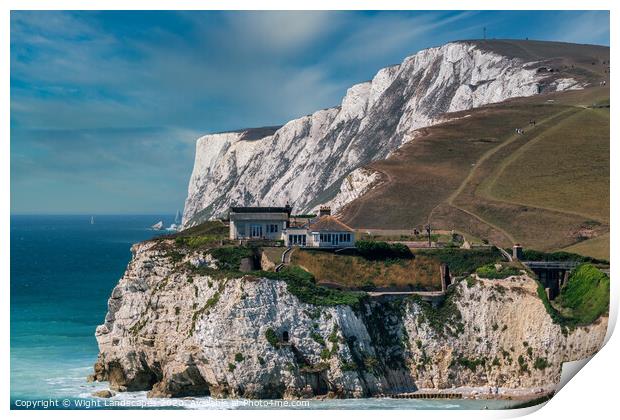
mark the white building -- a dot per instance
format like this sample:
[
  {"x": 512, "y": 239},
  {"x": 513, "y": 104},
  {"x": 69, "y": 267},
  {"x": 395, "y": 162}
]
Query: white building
[
  {"x": 324, "y": 231},
  {"x": 259, "y": 222}
]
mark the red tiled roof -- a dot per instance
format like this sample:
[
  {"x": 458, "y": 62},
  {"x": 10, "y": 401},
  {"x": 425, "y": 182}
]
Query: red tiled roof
[{"x": 329, "y": 223}]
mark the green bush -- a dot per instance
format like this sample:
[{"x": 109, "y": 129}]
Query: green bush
[
  {"x": 229, "y": 257},
  {"x": 239, "y": 357},
  {"x": 470, "y": 364},
  {"x": 317, "y": 337},
  {"x": 463, "y": 261},
  {"x": 325, "y": 354},
  {"x": 541, "y": 364},
  {"x": 586, "y": 294},
  {"x": 272, "y": 338},
  {"x": 489, "y": 271},
  {"x": 533, "y": 255},
  {"x": 378, "y": 250},
  {"x": 302, "y": 284},
  {"x": 196, "y": 242},
  {"x": 214, "y": 228}
]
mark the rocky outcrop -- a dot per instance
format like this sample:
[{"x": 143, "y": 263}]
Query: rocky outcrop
[
  {"x": 175, "y": 332},
  {"x": 306, "y": 161}
]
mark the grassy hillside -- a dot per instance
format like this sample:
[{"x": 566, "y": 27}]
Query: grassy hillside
[
  {"x": 596, "y": 248},
  {"x": 547, "y": 189},
  {"x": 570, "y": 161},
  {"x": 421, "y": 272},
  {"x": 585, "y": 297}
]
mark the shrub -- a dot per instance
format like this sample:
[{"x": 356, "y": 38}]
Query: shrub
[
  {"x": 325, "y": 354},
  {"x": 196, "y": 242},
  {"x": 231, "y": 367},
  {"x": 272, "y": 338},
  {"x": 533, "y": 255},
  {"x": 541, "y": 364},
  {"x": 229, "y": 257},
  {"x": 239, "y": 357},
  {"x": 317, "y": 337},
  {"x": 463, "y": 261},
  {"x": 377, "y": 250},
  {"x": 470, "y": 364},
  {"x": 489, "y": 271},
  {"x": 302, "y": 284}
]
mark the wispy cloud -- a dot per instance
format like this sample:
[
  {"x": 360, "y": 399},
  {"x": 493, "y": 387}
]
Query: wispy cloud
[{"x": 103, "y": 102}]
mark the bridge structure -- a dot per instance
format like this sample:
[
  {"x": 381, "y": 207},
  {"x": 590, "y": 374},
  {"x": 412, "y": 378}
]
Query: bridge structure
[{"x": 552, "y": 274}]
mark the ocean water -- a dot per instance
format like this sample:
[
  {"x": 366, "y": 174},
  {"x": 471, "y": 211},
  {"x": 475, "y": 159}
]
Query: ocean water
[{"x": 62, "y": 272}]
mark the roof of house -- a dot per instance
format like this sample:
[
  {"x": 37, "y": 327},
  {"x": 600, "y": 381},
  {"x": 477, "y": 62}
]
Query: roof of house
[
  {"x": 286, "y": 209},
  {"x": 329, "y": 223}
]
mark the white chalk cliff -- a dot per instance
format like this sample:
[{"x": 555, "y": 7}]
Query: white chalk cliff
[
  {"x": 176, "y": 332},
  {"x": 305, "y": 161}
]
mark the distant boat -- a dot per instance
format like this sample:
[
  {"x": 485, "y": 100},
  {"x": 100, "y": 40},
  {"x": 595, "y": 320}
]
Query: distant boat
[
  {"x": 158, "y": 226},
  {"x": 92, "y": 220}
]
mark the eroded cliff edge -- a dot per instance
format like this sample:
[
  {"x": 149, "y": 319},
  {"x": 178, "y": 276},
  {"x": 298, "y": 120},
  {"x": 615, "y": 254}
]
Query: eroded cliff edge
[
  {"x": 306, "y": 161},
  {"x": 175, "y": 332}
]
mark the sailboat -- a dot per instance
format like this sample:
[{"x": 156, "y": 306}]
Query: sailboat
[
  {"x": 158, "y": 226},
  {"x": 92, "y": 220}
]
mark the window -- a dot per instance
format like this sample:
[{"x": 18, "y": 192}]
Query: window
[
  {"x": 272, "y": 228},
  {"x": 297, "y": 240},
  {"x": 256, "y": 231}
]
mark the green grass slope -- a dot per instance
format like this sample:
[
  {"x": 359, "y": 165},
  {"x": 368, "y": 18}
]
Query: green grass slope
[
  {"x": 565, "y": 168},
  {"x": 585, "y": 296}
]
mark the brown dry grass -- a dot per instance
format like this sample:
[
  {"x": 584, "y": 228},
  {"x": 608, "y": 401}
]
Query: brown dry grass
[
  {"x": 444, "y": 174},
  {"x": 566, "y": 168},
  {"x": 596, "y": 248},
  {"x": 421, "y": 272}
]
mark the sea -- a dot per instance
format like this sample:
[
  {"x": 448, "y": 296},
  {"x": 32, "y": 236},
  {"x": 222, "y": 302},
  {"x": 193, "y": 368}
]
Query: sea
[{"x": 63, "y": 269}]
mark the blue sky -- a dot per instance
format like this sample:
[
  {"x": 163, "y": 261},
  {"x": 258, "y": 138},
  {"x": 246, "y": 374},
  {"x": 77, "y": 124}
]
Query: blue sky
[{"x": 106, "y": 106}]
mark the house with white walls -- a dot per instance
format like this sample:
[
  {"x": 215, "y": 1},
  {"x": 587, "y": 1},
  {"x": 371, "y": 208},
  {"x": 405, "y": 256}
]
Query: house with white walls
[{"x": 275, "y": 223}]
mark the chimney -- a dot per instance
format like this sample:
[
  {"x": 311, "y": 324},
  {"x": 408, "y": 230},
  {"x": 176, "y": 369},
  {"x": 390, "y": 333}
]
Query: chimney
[
  {"x": 325, "y": 211},
  {"x": 517, "y": 252}
]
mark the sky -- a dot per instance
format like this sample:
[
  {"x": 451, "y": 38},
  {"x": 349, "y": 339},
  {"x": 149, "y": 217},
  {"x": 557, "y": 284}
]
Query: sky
[{"x": 106, "y": 106}]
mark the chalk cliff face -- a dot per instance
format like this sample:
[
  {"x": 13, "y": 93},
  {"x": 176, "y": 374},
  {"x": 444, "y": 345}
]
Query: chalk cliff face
[
  {"x": 176, "y": 333},
  {"x": 305, "y": 161}
]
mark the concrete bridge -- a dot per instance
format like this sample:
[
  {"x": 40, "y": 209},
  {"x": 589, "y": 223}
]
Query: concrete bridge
[{"x": 552, "y": 274}]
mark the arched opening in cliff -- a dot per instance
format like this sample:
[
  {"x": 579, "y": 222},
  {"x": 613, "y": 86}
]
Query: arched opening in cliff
[
  {"x": 285, "y": 336},
  {"x": 318, "y": 382}
]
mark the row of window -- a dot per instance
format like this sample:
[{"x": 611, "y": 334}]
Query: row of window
[
  {"x": 256, "y": 230},
  {"x": 335, "y": 237}
]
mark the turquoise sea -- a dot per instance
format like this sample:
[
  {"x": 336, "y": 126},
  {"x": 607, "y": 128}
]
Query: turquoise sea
[{"x": 62, "y": 271}]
